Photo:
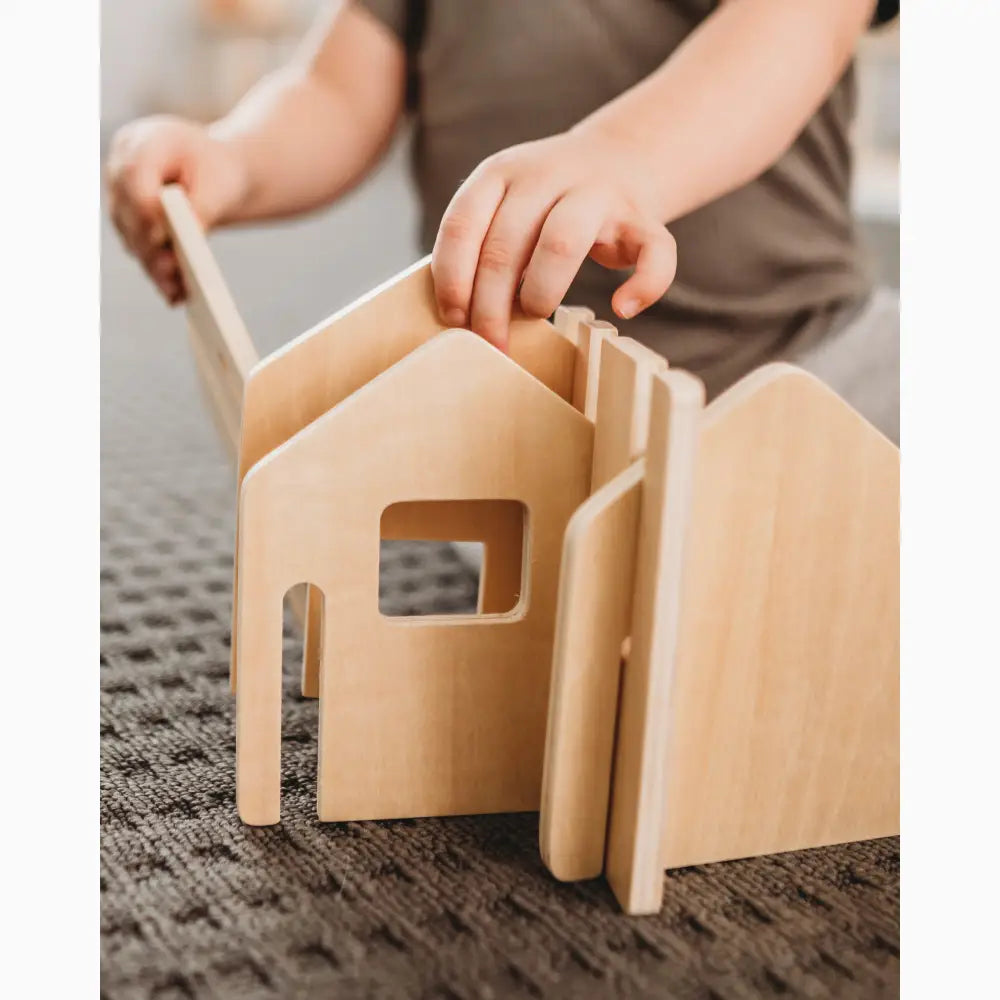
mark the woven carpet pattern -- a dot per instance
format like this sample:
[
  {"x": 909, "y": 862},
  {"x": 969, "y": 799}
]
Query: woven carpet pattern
[{"x": 194, "y": 904}]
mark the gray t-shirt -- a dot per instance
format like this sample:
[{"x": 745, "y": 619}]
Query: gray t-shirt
[{"x": 761, "y": 271}]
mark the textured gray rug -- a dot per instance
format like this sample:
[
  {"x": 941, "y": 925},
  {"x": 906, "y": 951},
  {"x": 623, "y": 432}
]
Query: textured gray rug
[{"x": 194, "y": 904}]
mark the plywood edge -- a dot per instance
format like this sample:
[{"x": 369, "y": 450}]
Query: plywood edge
[
  {"x": 634, "y": 859},
  {"x": 678, "y": 860},
  {"x": 590, "y": 337},
  {"x": 224, "y": 412},
  {"x": 197, "y": 260},
  {"x": 567, "y": 319},
  {"x": 621, "y": 419},
  {"x": 395, "y": 282}
]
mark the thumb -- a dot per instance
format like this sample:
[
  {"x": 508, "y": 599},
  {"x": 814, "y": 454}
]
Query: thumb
[
  {"x": 655, "y": 254},
  {"x": 140, "y": 172}
]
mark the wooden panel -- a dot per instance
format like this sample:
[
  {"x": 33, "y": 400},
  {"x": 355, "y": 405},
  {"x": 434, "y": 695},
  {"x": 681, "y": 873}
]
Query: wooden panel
[
  {"x": 417, "y": 716},
  {"x": 593, "y": 618},
  {"x": 297, "y": 600},
  {"x": 496, "y": 525},
  {"x": 634, "y": 865},
  {"x": 784, "y": 722},
  {"x": 225, "y": 356},
  {"x": 223, "y": 349},
  {"x": 567, "y": 320},
  {"x": 223, "y": 408},
  {"x": 577, "y": 324},
  {"x": 299, "y": 383},
  {"x": 591, "y": 336},
  {"x": 622, "y": 417}
]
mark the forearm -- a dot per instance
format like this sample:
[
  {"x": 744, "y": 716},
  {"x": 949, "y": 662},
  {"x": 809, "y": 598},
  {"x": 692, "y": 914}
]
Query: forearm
[
  {"x": 310, "y": 131},
  {"x": 300, "y": 143},
  {"x": 731, "y": 100}
]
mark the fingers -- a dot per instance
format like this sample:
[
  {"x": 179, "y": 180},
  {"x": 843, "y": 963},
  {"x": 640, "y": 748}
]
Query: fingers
[
  {"x": 162, "y": 266},
  {"x": 142, "y": 183},
  {"x": 132, "y": 226},
  {"x": 135, "y": 191},
  {"x": 523, "y": 224},
  {"x": 655, "y": 254},
  {"x": 136, "y": 173},
  {"x": 505, "y": 253},
  {"x": 459, "y": 240},
  {"x": 139, "y": 222},
  {"x": 147, "y": 238},
  {"x": 566, "y": 238}
]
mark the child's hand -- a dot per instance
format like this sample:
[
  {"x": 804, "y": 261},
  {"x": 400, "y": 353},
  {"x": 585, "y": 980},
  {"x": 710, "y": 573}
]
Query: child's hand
[
  {"x": 150, "y": 153},
  {"x": 527, "y": 218}
]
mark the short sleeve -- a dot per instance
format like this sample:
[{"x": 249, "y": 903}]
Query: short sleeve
[
  {"x": 392, "y": 13},
  {"x": 885, "y": 11}
]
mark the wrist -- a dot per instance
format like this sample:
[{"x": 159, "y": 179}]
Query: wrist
[
  {"x": 605, "y": 135},
  {"x": 239, "y": 188}
]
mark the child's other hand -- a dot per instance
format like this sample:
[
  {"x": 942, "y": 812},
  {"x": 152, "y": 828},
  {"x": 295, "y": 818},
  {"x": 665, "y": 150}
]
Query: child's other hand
[
  {"x": 152, "y": 152},
  {"x": 525, "y": 220}
]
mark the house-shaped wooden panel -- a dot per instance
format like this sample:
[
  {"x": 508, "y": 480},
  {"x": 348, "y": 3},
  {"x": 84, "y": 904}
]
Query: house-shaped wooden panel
[
  {"x": 769, "y": 719},
  {"x": 319, "y": 369},
  {"x": 755, "y": 706},
  {"x": 419, "y": 716}
]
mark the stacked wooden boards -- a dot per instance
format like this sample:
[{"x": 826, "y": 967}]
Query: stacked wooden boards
[
  {"x": 712, "y": 591},
  {"x": 258, "y": 406},
  {"x": 757, "y": 709}
]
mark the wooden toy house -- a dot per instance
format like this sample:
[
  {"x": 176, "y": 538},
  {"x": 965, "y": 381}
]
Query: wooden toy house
[{"x": 686, "y": 647}]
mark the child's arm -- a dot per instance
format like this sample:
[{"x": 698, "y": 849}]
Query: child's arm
[
  {"x": 300, "y": 138},
  {"x": 716, "y": 114}
]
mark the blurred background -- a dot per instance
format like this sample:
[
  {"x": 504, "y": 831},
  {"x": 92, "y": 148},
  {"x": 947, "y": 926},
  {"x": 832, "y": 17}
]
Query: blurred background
[{"x": 197, "y": 57}]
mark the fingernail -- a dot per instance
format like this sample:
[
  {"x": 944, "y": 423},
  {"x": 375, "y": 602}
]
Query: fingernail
[
  {"x": 454, "y": 317},
  {"x": 628, "y": 309}
]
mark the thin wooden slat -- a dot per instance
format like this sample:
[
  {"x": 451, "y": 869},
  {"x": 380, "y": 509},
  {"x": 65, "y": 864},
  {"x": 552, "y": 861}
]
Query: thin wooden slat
[
  {"x": 226, "y": 353},
  {"x": 567, "y": 320},
  {"x": 224, "y": 410},
  {"x": 622, "y": 418},
  {"x": 591, "y": 336},
  {"x": 595, "y": 606},
  {"x": 223, "y": 352},
  {"x": 633, "y": 862}
]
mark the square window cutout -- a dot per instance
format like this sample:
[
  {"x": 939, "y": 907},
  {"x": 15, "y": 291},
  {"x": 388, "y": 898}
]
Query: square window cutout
[{"x": 434, "y": 554}]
